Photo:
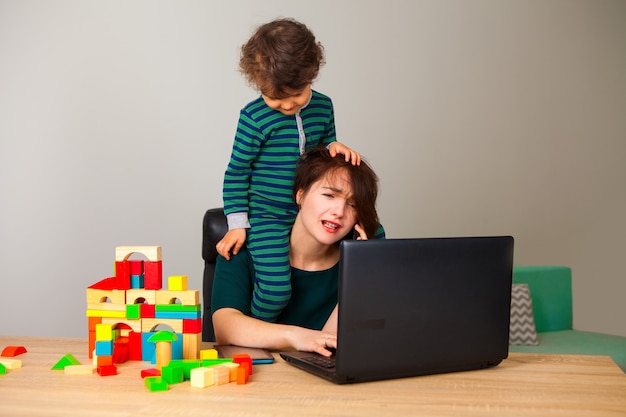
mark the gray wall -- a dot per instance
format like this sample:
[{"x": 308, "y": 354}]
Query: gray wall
[{"x": 481, "y": 117}]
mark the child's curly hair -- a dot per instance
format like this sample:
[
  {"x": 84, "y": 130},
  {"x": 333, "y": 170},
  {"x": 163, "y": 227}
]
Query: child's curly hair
[{"x": 281, "y": 58}]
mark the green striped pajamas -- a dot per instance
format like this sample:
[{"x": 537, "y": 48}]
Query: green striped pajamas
[{"x": 258, "y": 188}]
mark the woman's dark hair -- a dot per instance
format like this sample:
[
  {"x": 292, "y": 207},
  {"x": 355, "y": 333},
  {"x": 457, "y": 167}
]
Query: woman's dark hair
[
  {"x": 317, "y": 164},
  {"x": 281, "y": 57}
]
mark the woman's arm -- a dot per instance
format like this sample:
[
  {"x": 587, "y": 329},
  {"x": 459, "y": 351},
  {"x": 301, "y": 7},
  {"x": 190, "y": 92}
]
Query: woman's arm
[
  {"x": 331, "y": 323},
  {"x": 235, "y": 328}
]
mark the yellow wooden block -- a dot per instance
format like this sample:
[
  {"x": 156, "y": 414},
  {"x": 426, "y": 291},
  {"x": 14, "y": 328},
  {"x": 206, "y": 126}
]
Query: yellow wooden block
[
  {"x": 106, "y": 313},
  {"x": 202, "y": 377},
  {"x": 79, "y": 369},
  {"x": 107, "y": 307},
  {"x": 95, "y": 296},
  {"x": 11, "y": 363},
  {"x": 191, "y": 345},
  {"x": 186, "y": 298},
  {"x": 104, "y": 332},
  {"x": 177, "y": 283},
  {"x": 208, "y": 354},
  {"x": 148, "y": 325},
  {"x": 136, "y": 296},
  {"x": 153, "y": 253}
]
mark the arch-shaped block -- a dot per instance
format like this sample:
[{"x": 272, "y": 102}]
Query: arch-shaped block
[{"x": 153, "y": 253}]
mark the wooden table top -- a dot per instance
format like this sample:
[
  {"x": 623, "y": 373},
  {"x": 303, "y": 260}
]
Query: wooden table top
[{"x": 522, "y": 385}]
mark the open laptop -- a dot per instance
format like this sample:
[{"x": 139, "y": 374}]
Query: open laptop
[{"x": 420, "y": 306}]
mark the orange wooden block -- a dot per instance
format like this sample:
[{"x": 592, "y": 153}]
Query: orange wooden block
[
  {"x": 104, "y": 360},
  {"x": 242, "y": 374}
]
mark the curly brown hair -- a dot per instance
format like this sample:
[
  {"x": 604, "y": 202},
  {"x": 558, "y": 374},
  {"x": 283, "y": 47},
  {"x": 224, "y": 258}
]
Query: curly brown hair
[{"x": 281, "y": 58}]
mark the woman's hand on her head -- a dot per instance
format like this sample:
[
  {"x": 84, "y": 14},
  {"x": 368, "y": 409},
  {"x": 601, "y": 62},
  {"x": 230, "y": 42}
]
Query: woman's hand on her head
[
  {"x": 231, "y": 242},
  {"x": 361, "y": 232}
]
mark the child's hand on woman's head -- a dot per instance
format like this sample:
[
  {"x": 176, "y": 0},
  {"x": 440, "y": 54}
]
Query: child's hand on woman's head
[
  {"x": 231, "y": 242},
  {"x": 351, "y": 155}
]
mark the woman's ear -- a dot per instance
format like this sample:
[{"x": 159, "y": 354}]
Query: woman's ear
[{"x": 299, "y": 194}]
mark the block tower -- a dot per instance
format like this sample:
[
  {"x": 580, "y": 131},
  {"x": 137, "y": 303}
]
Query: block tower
[{"x": 125, "y": 310}]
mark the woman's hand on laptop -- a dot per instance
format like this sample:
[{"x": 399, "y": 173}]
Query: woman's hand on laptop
[{"x": 308, "y": 340}]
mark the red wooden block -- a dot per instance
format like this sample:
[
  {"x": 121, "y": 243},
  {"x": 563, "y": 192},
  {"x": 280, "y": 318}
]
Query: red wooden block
[
  {"x": 153, "y": 275},
  {"x": 11, "y": 351},
  {"x": 148, "y": 311},
  {"x": 245, "y": 359},
  {"x": 192, "y": 325},
  {"x": 122, "y": 275},
  {"x": 134, "y": 346},
  {"x": 150, "y": 372},
  {"x": 136, "y": 266},
  {"x": 105, "y": 284},
  {"x": 121, "y": 350},
  {"x": 107, "y": 370}
]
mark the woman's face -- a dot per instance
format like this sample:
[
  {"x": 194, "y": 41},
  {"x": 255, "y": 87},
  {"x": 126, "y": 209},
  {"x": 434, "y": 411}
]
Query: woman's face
[{"x": 327, "y": 211}]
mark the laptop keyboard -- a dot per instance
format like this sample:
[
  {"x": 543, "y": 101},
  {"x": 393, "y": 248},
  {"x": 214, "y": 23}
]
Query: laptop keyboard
[{"x": 322, "y": 361}]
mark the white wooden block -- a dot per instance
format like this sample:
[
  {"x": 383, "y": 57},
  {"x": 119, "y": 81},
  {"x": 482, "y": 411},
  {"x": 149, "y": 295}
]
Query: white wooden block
[
  {"x": 79, "y": 369},
  {"x": 11, "y": 363},
  {"x": 202, "y": 377}
]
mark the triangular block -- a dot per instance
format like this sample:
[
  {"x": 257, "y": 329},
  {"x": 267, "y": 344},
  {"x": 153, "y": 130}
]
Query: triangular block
[{"x": 66, "y": 360}]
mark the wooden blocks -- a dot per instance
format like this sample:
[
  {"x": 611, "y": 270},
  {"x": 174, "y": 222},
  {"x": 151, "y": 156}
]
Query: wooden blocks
[
  {"x": 12, "y": 351},
  {"x": 202, "y": 377},
  {"x": 177, "y": 283},
  {"x": 10, "y": 363},
  {"x": 66, "y": 360},
  {"x": 153, "y": 253},
  {"x": 79, "y": 370},
  {"x": 132, "y": 305}
]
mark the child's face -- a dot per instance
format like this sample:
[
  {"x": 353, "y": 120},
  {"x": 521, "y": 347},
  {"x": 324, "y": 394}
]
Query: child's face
[{"x": 292, "y": 104}]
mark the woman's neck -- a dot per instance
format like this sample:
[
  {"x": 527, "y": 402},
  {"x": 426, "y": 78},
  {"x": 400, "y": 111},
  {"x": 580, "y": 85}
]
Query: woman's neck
[{"x": 308, "y": 254}]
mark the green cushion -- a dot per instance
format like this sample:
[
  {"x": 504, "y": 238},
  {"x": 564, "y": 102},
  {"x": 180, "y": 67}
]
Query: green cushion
[
  {"x": 579, "y": 343},
  {"x": 551, "y": 294}
]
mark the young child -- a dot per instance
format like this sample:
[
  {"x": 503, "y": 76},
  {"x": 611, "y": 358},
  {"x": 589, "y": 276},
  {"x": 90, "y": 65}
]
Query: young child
[{"x": 281, "y": 59}]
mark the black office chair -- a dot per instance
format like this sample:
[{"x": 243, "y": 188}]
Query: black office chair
[{"x": 214, "y": 227}]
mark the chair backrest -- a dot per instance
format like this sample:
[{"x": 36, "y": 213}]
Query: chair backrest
[
  {"x": 551, "y": 294},
  {"x": 214, "y": 227}
]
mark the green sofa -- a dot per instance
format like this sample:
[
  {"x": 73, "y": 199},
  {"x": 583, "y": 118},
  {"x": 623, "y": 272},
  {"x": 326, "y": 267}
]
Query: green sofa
[{"x": 551, "y": 294}]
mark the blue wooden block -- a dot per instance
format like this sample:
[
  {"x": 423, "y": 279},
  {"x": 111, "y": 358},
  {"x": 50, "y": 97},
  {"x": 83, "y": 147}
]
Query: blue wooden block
[
  {"x": 148, "y": 349},
  {"x": 177, "y": 314},
  {"x": 136, "y": 281},
  {"x": 104, "y": 348}
]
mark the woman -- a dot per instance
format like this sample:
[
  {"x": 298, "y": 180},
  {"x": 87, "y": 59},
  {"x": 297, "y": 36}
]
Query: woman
[{"x": 331, "y": 195}]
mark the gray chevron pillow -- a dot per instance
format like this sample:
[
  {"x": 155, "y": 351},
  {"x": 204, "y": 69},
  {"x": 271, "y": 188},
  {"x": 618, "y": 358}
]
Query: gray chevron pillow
[{"x": 522, "y": 330}]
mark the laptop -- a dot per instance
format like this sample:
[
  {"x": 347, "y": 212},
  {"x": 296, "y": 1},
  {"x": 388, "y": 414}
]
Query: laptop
[{"x": 420, "y": 306}]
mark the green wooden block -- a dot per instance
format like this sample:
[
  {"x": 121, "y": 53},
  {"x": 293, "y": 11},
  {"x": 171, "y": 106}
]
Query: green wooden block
[
  {"x": 133, "y": 311},
  {"x": 66, "y": 360},
  {"x": 173, "y": 374},
  {"x": 3, "y": 369},
  {"x": 155, "y": 383},
  {"x": 177, "y": 308}
]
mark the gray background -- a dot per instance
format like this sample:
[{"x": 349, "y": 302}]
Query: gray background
[{"x": 481, "y": 117}]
